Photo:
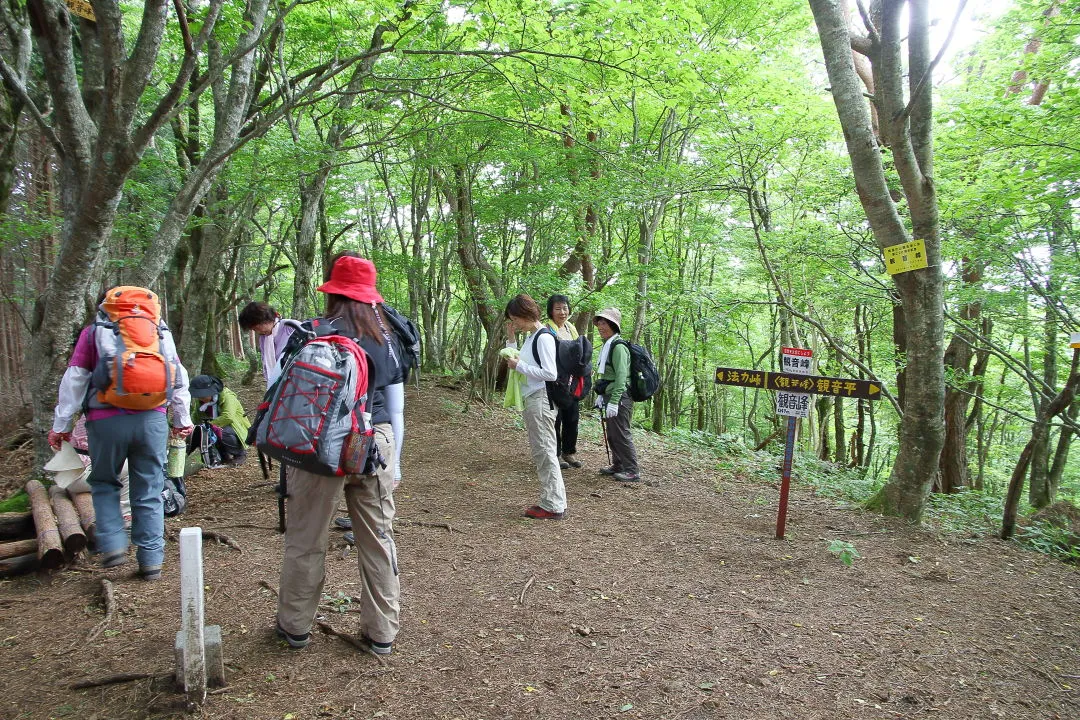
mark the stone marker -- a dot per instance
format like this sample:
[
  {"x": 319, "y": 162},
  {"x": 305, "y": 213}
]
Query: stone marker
[{"x": 198, "y": 650}]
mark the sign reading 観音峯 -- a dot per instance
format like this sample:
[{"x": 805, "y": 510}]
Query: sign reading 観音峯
[
  {"x": 794, "y": 361},
  {"x": 905, "y": 256}
]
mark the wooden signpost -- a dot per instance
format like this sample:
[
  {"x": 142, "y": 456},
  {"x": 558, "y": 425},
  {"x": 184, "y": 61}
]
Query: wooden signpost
[{"x": 793, "y": 389}]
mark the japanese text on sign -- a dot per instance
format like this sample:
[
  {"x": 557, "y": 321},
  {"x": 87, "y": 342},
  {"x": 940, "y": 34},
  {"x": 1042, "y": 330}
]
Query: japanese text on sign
[
  {"x": 843, "y": 387},
  {"x": 905, "y": 256},
  {"x": 82, "y": 8},
  {"x": 793, "y": 404}
]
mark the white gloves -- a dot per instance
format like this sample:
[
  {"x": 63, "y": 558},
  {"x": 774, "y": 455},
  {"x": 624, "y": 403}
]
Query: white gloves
[
  {"x": 599, "y": 402},
  {"x": 611, "y": 411}
]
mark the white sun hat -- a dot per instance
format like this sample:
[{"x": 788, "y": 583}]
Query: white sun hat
[{"x": 69, "y": 468}]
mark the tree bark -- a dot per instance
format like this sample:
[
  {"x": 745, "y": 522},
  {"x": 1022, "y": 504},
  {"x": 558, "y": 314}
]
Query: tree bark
[
  {"x": 1049, "y": 410},
  {"x": 907, "y": 131},
  {"x": 955, "y": 474}
]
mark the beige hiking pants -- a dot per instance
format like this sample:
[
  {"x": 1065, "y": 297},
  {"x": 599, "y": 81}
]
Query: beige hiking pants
[
  {"x": 539, "y": 419},
  {"x": 310, "y": 507}
]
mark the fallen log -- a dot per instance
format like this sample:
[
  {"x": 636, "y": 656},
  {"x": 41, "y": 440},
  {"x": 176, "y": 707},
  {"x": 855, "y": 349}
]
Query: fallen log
[
  {"x": 67, "y": 519},
  {"x": 17, "y": 548},
  {"x": 19, "y": 565},
  {"x": 50, "y": 550},
  {"x": 84, "y": 505},
  {"x": 16, "y": 525},
  {"x": 121, "y": 678}
]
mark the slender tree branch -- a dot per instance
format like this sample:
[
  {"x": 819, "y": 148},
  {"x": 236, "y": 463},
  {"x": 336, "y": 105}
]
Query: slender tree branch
[
  {"x": 870, "y": 29},
  {"x": 917, "y": 92},
  {"x": 12, "y": 79}
]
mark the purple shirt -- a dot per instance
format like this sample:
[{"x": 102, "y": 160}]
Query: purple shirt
[{"x": 271, "y": 346}]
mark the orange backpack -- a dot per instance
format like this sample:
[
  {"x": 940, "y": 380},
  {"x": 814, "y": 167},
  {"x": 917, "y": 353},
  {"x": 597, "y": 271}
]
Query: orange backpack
[{"x": 137, "y": 360}]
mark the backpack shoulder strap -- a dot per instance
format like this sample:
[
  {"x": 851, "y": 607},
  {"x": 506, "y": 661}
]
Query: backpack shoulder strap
[{"x": 554, "y": 336}]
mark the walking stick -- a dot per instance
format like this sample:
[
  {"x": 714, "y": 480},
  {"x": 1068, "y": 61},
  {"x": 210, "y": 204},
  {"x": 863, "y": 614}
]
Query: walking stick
[
  {"x": 282, "y": 493},
  {"x": 603, "y": 429}
]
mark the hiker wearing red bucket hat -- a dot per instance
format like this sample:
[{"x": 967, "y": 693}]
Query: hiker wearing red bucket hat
[{"x": 353, "y": 306}]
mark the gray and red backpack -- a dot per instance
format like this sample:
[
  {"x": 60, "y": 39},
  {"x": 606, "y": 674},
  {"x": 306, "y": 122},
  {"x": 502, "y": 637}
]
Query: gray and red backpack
[{"x": 314, "y": 416}]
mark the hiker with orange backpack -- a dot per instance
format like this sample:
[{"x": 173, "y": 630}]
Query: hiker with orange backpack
[{"x": 124, "y": 370}]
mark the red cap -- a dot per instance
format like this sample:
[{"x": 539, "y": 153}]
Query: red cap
[{"x": 354, "y": 278}]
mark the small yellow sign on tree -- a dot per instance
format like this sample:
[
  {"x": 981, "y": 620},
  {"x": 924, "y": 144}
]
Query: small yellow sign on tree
[
  {"x": 905, "y": 256},
  {"x": 82, "y": 8}
]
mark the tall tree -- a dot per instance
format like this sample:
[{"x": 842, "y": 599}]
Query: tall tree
[{"x": 907, "y": 133}]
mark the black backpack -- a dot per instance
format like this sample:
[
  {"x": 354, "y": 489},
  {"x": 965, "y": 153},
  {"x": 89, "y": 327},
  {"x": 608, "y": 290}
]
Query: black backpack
[
  {"x": 408, "y": 337},
  {"x": 573, "y": 369},
  {"x": 644, "y": 380}
]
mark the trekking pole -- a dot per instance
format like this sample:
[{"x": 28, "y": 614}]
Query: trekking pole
[
  {"x": 603, "y": 429},
  {"x": 282, "y": 493}
]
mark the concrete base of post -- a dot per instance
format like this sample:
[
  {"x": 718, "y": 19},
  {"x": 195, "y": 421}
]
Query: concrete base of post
[{"x": 215, "y": 657}]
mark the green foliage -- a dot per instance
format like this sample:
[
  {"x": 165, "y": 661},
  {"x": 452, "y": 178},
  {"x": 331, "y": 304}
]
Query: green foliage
[
  {"x": 19, "y": 502},
  {"x": 844, "y": 550},
  {"x": 231, "y": 365},
  {"x": 965, "y": 513},
  {"x": 1052, "y": 540}
]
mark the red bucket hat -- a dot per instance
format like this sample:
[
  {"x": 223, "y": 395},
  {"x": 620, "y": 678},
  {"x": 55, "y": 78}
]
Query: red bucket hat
[{"x": 354, "y": 278}]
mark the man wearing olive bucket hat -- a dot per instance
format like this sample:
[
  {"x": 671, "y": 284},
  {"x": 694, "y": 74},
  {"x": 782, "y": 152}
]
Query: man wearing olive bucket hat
[{"x": 612, "y": 399}]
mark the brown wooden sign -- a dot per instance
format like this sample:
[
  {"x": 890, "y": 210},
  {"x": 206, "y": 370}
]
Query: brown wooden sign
[{"x": 764, "y": 380}]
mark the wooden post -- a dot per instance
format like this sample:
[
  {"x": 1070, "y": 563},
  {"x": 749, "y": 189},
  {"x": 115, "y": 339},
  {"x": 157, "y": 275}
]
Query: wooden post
[
  {"x": 67, "y": 518},
  {"x": 17, "y": 548},
  {"x": 50, "y": 551},
  {"x": 192, "y": 613},
  {"x": 19, "y": 565},
  {"x": 16, "y": 525},
  {"x": 84, "y": 505}
]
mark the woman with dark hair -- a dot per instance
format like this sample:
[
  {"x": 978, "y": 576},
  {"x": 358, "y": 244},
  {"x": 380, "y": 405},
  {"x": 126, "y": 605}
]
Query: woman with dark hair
[
  {"x": 272, "y": 335},
  {"x": 539, "y": 413},
  {"x": 566, "y": 421},
  {"x": 352, "y": 303}
]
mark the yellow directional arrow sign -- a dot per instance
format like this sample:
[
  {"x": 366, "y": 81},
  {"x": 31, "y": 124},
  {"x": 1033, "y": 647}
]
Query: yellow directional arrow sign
[{"x": 761, "y": 379}]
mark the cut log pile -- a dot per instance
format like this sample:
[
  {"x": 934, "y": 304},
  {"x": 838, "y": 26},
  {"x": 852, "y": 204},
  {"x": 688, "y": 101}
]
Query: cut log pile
[{"x": 58, "y": 527}]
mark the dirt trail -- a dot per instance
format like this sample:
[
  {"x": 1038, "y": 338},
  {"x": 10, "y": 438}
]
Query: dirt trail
[{"x": 666, "y": 600}]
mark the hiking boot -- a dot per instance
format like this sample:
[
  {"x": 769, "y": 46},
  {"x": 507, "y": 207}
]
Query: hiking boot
[
  {"x": 349, "y": 537},
  {"x": 540, "y": 513},
  {"x": 343, "y": 522},
  {"x": 114, "y": 558},
  {"x": 571, "y": 460},
  {"x": 150, "y": 573},
  {"x": 379, "y": 648},
  {"x": 627, "y": 477},
  {"x": 563, "y": 465},
  {"x": 609, "y": 470},
  {"x": 296, "y": 642}
]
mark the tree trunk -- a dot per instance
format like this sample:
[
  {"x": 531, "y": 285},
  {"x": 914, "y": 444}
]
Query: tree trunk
[
  {"x": 1048, "y": 411},
  {"x": 907, "y": 130},
  {"x": 955, "y": 474}
]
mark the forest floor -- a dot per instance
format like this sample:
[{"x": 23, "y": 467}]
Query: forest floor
[{"x": 668, "y": 599}]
